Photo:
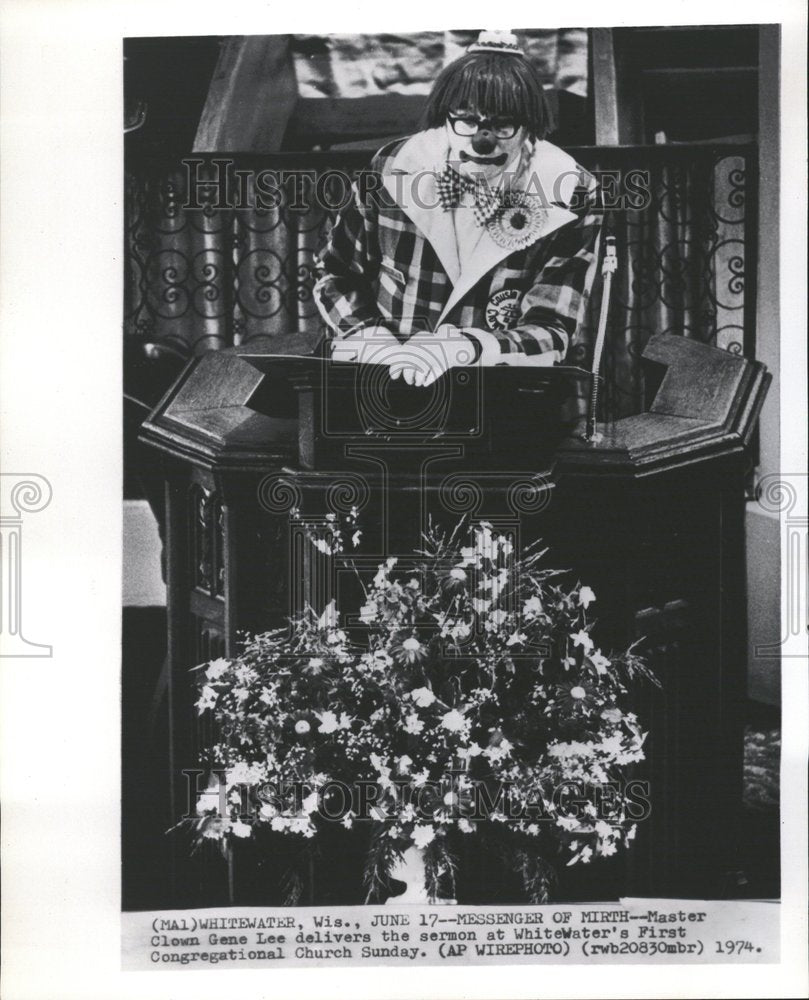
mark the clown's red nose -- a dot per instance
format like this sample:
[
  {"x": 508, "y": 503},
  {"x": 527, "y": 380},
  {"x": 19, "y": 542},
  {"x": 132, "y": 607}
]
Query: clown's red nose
[{"x": 483, "y": 142}]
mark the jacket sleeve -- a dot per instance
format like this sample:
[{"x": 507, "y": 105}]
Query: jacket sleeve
[
  {"x": 347, "y": 269},
  {"x": 552, "y": 309}
]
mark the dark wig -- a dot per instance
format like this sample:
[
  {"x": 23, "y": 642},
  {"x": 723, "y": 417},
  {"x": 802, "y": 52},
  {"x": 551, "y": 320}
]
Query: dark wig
[{"x": 494, "y": 84}]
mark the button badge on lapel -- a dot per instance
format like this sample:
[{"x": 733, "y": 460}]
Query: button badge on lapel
[{"x": 502, "y": 309}]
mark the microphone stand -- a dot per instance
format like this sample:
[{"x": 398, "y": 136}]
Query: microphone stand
[{"x": 608, "y": 268}]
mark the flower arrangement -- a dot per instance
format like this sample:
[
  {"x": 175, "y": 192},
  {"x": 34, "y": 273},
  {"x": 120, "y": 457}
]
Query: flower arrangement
[{"x": 470, "y": 698}]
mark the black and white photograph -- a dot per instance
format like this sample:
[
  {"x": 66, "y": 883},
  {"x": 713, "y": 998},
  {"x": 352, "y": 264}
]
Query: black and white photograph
[{"x": 461, "y": 537}]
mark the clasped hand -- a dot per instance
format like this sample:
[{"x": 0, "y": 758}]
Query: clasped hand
[{"x": 422, "y": 359}]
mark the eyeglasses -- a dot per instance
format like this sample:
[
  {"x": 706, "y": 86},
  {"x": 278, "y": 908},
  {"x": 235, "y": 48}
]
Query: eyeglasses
[{"x": 467, "y": 125}]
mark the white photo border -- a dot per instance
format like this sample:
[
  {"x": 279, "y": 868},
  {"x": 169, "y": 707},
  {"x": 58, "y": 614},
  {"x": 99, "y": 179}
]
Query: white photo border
[{"x": 61, "y": 217}]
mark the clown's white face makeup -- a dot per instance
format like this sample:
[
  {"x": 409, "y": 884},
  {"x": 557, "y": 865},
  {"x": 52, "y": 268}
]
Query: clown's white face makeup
[{"x": 484, "y": 153}]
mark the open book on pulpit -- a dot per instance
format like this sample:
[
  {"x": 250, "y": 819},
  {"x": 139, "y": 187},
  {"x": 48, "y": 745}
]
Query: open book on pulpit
[
  {"x": 313, "y": 407},
  {"x": 244, "y": 407}
]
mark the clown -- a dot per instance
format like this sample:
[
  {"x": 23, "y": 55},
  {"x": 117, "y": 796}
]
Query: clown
[{"x": 473, "y": 241}]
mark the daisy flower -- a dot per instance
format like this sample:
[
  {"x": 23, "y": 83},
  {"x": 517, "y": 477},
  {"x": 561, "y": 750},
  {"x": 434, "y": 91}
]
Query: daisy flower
[
  {"x": 576, "y": 697},
  {"x": 409, "y": 650},
  {"x": 455, "y": 581}
]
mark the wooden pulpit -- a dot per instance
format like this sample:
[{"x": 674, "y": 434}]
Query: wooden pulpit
[{"x": 650, "y": 513}]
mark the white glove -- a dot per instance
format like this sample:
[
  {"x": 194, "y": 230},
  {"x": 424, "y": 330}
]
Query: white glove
[
  {"x": 426, "y": 356},
  {"x": 371, "y": 345}
]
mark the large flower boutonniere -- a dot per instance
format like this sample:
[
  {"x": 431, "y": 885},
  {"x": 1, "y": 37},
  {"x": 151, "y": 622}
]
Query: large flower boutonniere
[{"x": 519, "y": 221}]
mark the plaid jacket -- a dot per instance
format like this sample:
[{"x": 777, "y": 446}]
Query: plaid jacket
[{"x": 392, "y": 257}]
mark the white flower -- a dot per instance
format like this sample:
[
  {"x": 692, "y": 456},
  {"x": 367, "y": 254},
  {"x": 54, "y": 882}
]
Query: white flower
[
  {"x": 453, "y": 721},
  {"x": 515, "y": 638},
  {"x": 216, "y": 668},
  {"x": 355, "y": 538},
  {"x": 348, "y": 820},
  {"x": 497, "y": 617},
  {"x": 506, "y": 545},
  {"x": 413, "y": 724},
  {"x": 532, "y": 829},
  {"x": 532, "y": 607},
  {"x": 207, "y": 699},
  {"x": 456, "y": 630},
  {"x": 473, "y": 750},
  {"x": 450, "y": 799},
  {"x": 322, "y": 545},
  {"x": 412, "y": 645},
  {"x": 608, "y": 849},
  {"x": 368, "y": 613},
  {"x": 208, "y": 801},
  {"x": 404, "y": 763},
  {"x": 267, "y": 811},
  {"x": 280, "y": 823},
  {"x": 423, "y": 835},
  {"x": 611, "y": 745},
  {"x": 578, "y": 692},
  {"x": 599, "y": 661},
  {"x": 407, "y": 813},
  {"x": 483, "y": 539},
  {"x": 465, "y": 826},
  {"x": 381, "y": 577},
  {"x": 311, "y": 803},
  {"x": 329, "y": 617},
  {"x": 581, "y": 638},
  {"x": 420, "y": 778},
  {"x": 243, "y": 773},
  {"x": 498, "y": 753},
  {"x": 316, "y": 661},
  {"x": 481, "y": 605},
  {"x": 457, "y": 573},
  {"x": 240, "y": 829},
  {"x": 423, "y": 697},
  {"x": 586, "y": 597},
  {"x": 328, "y": 722},
  {"x": 302, "y": 727},
  {"x": 301, "y": 824}
]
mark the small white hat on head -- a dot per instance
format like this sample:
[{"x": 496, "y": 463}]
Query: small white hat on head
[{"x": 496, "y": 41}]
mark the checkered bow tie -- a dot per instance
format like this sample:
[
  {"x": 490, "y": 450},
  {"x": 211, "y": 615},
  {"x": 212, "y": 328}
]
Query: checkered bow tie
[{"x": 451, "y": 186}]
